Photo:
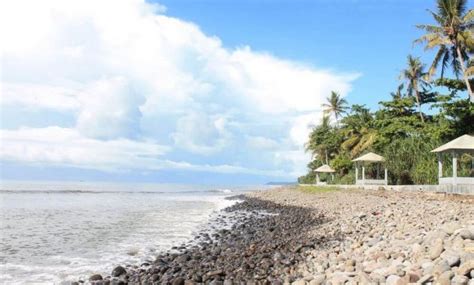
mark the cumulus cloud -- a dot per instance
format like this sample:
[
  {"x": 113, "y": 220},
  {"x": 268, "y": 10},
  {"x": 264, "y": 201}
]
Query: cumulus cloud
[{"x": 129, "y": 73}]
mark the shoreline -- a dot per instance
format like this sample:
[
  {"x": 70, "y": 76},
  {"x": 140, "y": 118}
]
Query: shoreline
[{"x": 286, "y": 236}]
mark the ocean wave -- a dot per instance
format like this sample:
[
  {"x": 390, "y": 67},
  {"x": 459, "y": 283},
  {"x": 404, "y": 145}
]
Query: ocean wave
[{"x": 42, "y": 191}]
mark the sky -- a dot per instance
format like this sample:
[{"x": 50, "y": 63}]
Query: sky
[{"x": 188, "y": 91}]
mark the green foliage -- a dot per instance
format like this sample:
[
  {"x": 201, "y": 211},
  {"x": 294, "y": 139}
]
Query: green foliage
[
  {"x": 409, "y": 160},
  {"x": 396, "y": 132},
  {"x": 402, "y": 130}
]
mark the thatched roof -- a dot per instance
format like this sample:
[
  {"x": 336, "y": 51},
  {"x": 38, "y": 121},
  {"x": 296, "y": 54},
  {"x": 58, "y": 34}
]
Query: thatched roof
[
  {"x": 370, "y": 157},
  {"x": 463, "y": 143},
  {"x": 325, "y": 168}
]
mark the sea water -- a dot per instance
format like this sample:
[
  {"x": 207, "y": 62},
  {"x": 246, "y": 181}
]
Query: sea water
[{"x": 51, "y": 232}]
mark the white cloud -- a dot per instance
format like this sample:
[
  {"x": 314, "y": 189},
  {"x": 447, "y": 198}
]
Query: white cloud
[
  {"x": 127, "y": 72},
  {"x": 202, "y": 134},
  {"x": 64, "y": 146}
]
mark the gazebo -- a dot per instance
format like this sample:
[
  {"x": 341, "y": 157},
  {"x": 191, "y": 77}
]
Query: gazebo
[
  {"x": 323, "y": 169},
  {"x": 370, "y": 158},
  {"x": 456, "y": 147}
]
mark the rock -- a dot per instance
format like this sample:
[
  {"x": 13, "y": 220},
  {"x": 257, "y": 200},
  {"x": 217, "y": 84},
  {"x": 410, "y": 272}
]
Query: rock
[
  {"x": 318, "y": 280},
  {"x": 445, "y": 278},
  {"x": 119, "y": 270},
  {"x": 392, "y": 280},
  {"x": 413, "y": 277},
  {"x": 440, "y": 267},
  {"x": 436, "y": 249},
  {"x": 95, "y": 277},
  {"x": 469, "y": 247},
  {"x": 178, "y": 281},
  {"x": 451, "y": 227},
  {"x": 299, "y": 282},
  {"x": 215, "y": 272},
  {"x": 425, "y": 279},
  {"x": 459, "y": 280},
  {"x": 451, "y": 257},
  {"x": 466, "y": 268},
  {"x": 466, "y": 234}
]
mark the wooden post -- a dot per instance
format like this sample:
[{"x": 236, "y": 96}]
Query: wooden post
[
  {"x": 386, "y": 176},
  {"x": 317, "y": 178},
  {"x": 357, "y": 172},
  {"x": 440, "y": 168},
  {"x": 363, "y": 175},
  {"x": 332, "y": 177},
  {"x": 455, "y": 167}
]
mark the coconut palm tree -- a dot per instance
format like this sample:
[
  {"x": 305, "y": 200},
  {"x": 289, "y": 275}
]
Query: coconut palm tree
[
  {"x": 335, "y": 105},
  {"x": 415, "y": 76},
  {"x": 451, "y": 35},
  {"x": 358, "y": 131}
]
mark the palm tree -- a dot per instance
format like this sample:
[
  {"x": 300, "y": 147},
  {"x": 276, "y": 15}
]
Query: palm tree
[
  {"x": 451, "y": 35},
  {"x": 415, "y": 77},
  {"x": 335, "y": 105},
  {"x": 358, "y": 131}
]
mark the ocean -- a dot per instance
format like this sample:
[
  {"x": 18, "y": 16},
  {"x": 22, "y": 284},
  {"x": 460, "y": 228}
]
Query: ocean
[{"x": 52, "y": 232}]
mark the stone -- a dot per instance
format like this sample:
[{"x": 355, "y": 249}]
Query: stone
[
  {"x": 466, "y": 234},
  {"x": 440, "y": 267},
  {"x": 95, "y": 277},
  {"x": 451, "y": 227},
  {"x": 459, "y": 280},
  {"x": 392, "y": 280},
  {"x": 413, "y": 277},
  {"x": 469, "y": 247},
  {"x": 318, "y": 280},
  {"x": 451, "y": 257},
  {"x": 118, "y": 271},
  {"x": 445, "y": 278},
  {"x": 425, "y": 279},
  {"x": 178, "y": 281},
  {"x": 466, "y": 268},
  {"x": 436, "y": 249},
  {"x": 299, "y": 282}
]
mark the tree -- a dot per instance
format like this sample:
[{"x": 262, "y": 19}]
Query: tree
[
  {"x": 452, "y": 36},
  {"x": 335, "y": 105},
  {"x": 359, "y": 134},
  {"x": 415, "y": 77}
]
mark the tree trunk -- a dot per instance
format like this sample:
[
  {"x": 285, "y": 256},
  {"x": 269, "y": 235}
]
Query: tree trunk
[
  {"x": 466, "y": 79},
  {"x": 417, "y": 96}
]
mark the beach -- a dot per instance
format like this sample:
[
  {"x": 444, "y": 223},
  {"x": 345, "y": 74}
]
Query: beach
[{"x": 298, "y": 236}]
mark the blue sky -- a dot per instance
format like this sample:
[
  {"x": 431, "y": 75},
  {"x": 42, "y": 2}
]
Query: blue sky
[{"x": 188, "y": 91}]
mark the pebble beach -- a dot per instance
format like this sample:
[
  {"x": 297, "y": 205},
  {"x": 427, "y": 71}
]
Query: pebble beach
[{"x": 295, "y": 236}]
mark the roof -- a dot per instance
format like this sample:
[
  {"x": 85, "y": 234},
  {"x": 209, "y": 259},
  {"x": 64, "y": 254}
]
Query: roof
[
  {"x": 325, "y": 168},
  {"x": 464, "y": 142},
  {"x": 370, "y": 157}
]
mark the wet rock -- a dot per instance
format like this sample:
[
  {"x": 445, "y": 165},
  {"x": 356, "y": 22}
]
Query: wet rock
[
  {"x": 178, "y": 281},
  {"x": 118, "y": 271},
  {"x": 95, "y": 277}
]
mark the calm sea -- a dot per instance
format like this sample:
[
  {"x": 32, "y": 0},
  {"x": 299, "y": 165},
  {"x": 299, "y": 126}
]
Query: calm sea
[{"x": 55, "y": 231}]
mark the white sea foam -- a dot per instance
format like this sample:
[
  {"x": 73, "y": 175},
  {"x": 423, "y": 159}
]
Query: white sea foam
[{"x": 50, "y": 237}]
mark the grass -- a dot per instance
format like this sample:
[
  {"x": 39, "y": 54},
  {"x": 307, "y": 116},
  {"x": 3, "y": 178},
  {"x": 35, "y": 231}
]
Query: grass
[{"x": 316, "y": 189}]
